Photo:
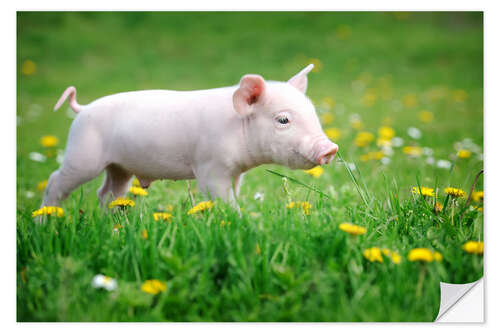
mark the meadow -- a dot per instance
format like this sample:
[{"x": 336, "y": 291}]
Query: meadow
[{"x": 400, "y": 93}]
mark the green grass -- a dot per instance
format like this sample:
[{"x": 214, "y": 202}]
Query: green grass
[{"x": 307, "y": 269}]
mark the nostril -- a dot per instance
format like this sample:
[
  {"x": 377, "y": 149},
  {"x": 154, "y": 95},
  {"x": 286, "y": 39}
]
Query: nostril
[
  {"x": 328, "y": 156},
  {"x": 334, "y": 150}
]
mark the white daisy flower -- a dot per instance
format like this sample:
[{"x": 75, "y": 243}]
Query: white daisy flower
[
  {"x": 37, "y": 157},
  {"x": 443, "y": 164},
  {"x": 29, "y": 194},
  {"x": 259, "y": 196},
  {"x": 414, "y": 133},
  {"x": 430, "y": 160},
  {"x": 397, "y": 141},
  {"x": 104, "y": 282},
  {"x": 427, "y": 151},
  {"x": 60, "y": 156},
  {"x": 354, "y": 118},
  {"x": 385, "y": 160},
  {"x": 387, "y": 150},
  {"x": 467, "y": 144}
]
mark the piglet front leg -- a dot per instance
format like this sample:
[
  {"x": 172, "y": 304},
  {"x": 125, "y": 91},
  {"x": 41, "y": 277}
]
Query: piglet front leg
[{"x": 217, "y": 185}]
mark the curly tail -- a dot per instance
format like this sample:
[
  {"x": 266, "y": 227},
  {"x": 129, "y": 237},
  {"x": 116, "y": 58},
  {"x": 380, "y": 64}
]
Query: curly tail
[{"x": 71, "y": 92}]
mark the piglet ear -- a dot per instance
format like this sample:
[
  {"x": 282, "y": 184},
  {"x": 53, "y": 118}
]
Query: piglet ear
[
  {"x": 299, "y": 81},
  {"x": 250, "y": 92}
]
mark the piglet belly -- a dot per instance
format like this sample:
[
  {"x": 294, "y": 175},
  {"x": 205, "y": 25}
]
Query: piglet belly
[
  {"x": 150, "y": 166},
  {"x": 154, "y": 154}
]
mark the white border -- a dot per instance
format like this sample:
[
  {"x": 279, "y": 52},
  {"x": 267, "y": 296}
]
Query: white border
[{"x": 8, "y": 132}]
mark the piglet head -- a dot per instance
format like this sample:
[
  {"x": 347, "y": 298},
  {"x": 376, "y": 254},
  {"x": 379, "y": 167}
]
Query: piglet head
[{"x": 280, "y": 122}]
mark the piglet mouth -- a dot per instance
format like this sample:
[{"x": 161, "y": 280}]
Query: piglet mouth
[{"x": 328, "y": 150}]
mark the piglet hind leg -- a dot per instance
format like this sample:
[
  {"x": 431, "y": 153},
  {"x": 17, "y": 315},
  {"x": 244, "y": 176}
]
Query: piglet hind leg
[
  {"x": 81, "y": 164},
  {"x": 62, "y": 182},
  {"x": 116, "y": 184}
]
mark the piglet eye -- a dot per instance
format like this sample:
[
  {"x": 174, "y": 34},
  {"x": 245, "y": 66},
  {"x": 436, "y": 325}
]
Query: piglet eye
[{"x": 283, "y": 120}]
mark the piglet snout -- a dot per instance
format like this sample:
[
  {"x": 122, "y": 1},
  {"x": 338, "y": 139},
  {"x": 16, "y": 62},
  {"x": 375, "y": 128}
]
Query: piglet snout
[{"x": 326, "y": 151}]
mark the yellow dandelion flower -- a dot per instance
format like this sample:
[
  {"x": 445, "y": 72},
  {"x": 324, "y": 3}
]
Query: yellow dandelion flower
[
  {"x": 412, "y": 151},
  {"x": 49, "y": 210},
  {"x": 479, "y": 209},
  {"x": 327, "y": 118},
  {"x": 459, "y": 95},
  {"x": 436, "y": 93},
  {"x": 343, "y": 31},
  {"x": 423, "y": 254},
  {"x": 257, "y": 249},
  {"x": 136, "y": 182},
  {"x": 49, "y": 141},
  {"x": 139, "y": 191},
  {"x": 386, "y": 132},
  {"x": 426, "y": 116},
  {"x": 333, "y": 133},
  {"x": 306, "y": 206},
  {"x": 463, "y": 153},
  {"x": 316, "y": 172},
  {"x": 377, "y": 155},
  {"x": 144, "y": 234},
  {"x": 369, "y": 99},
  {"x": 357, "y": 124},
  {"x": 162, "y": 216},
  {"x": 473, "y": 247},
  {"x": 352, "y": 229},
  {"x": 202, "y": 206},
  {"x": 121, "y": 202},
  {"x": 394, "y": 256},
  {"x": 28, "y": 67},
  {"x": 438, "y": 207},
  {"x": 373, "y": 254},
  {"x": 454, "y": 192},
  {"x": 42, "y": 185},
  {"x": 477, "y": 196},
  {"x": 328, "y": 102},
  {"x": 363, "y": 139},
  {"x": 373, "y": 155},
  {"x": 224, "y": 223},
  {"x": 318, "y": 65},
  {"x": 154, "y": 287},
  {"x": 425, "y": 191},
  {"x": 410, "y": 100},
  {"x": 381, "y": 142},
  {"x": 387, "y": 121}
]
